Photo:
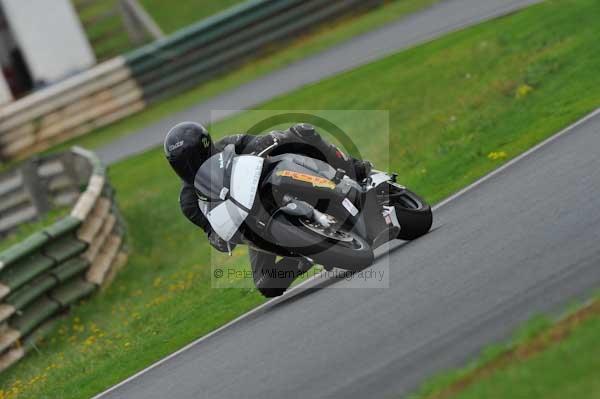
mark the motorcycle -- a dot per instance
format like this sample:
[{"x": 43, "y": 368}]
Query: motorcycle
[{"x": 296, "y": 206}]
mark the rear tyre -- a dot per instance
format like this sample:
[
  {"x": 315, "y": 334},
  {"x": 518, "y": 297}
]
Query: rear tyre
[{"x": 339, "y": 249}]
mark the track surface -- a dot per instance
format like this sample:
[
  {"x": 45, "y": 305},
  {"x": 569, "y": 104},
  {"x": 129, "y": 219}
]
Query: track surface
[
  {"x": 521, "y": 242},
  {"x": 446, "y": 16}
]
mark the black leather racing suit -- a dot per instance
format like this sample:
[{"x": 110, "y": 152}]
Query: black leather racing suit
[{"x": 271, "y": 278}]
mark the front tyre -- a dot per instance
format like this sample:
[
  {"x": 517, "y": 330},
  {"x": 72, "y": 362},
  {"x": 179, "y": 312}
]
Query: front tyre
[
  {"x": 330, "y": 248},
  {"x": 414, "y": 214}
]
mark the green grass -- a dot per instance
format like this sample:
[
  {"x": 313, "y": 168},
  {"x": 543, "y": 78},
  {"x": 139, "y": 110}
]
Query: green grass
[
  {"x": 173, "y": 16},
  {"x": 302, "y": 47},
  {"x": 568, "y": 369},
  {"x": 564, "y": 368},
  {"x": 170, "y": 16},
  {"x": 452, "y": 103}
]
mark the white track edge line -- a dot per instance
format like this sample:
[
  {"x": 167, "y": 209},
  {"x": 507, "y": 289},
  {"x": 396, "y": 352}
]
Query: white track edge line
[
  {"x": 437, "y": 206},
  {"x": 518, "y": 158}
]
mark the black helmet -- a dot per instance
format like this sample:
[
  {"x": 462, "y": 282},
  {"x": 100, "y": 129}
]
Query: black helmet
[{"x": 187, "y": 146}]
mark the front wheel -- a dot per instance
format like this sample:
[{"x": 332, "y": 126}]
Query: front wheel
[
  {"x": 414, "y": 214},
  {"x": 328, "y": 247}
]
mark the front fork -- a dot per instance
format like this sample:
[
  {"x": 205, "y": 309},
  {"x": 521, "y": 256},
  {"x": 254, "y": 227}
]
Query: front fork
[{"x": 380, "y": 221}]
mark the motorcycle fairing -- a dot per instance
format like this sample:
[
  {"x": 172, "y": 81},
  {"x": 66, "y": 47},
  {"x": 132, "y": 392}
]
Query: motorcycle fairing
[
  {"x": 225, "y": 218},
  {"x": 245, "y": 177},
  {"x": 213, "y": 175},
  {"x": 227, "y": 210},
  {"x": 316, "y": 181},
  {"x": 378, "y": 178},
  {"x": 298, "y": 175}
]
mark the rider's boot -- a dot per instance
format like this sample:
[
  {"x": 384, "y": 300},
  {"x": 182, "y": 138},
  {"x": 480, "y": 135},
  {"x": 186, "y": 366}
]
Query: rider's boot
[{"x": 304, "y": 265}]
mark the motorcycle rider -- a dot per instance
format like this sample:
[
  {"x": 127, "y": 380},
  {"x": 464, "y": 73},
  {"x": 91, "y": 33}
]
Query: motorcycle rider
[{"x": 188, "y": 144}]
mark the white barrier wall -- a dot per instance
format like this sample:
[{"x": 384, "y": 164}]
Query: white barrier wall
[{"x": 50, "y": 37}]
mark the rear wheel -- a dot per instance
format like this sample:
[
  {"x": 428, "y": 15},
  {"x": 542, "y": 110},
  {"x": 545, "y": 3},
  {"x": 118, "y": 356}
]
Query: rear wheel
[
  {"x": 330, "y": 247},
  {"x": 414, "y": 214}
]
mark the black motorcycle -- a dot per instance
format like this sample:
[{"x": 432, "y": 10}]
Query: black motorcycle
[{"x": 295, "y": 205}]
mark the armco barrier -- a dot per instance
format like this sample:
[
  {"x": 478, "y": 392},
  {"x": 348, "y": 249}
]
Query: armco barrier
[
  {"x": 42, "y": 276},
  {"x": 199, "y": 52},
  {"x": 125, "y": 85},
  {"x": 82, "y": 103}
]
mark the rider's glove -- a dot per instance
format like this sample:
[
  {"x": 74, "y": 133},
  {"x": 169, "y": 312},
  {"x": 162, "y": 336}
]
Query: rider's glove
[
  {"x": 218, "y": 243},
  {"x": 305, "y": 131},
  {"x": 362, "y": 169}
]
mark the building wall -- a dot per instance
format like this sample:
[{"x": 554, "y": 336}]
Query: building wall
[
  {"x": 6, "y": 45},
  {"x": 5, "y": 94},
  {"x": 50, "y": 38}
]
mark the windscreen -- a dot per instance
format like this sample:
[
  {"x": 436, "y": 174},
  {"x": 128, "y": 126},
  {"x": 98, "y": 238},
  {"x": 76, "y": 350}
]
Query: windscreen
[
  {"x": 214, "y": 174},
  {"x": 241, "y": 174}
]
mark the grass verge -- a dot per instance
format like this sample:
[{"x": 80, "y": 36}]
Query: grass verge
[
  {"x": 171, "y": 17},
  {"x": 304, "y": 46},
  {"x": 103, "y": 27},
  {"x": 556, "y": 361},
  {"x": 459, "y": 107}
]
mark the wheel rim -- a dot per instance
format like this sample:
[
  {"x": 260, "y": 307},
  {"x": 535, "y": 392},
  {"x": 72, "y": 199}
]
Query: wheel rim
[{"x": 332, "y": 234}]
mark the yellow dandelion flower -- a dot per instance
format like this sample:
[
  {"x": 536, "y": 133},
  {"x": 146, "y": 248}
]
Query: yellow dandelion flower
[
  {"x": 496, "y": 155},
  {"x": 523, "y": 90},
  {"x": 89, "y": 341}
]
